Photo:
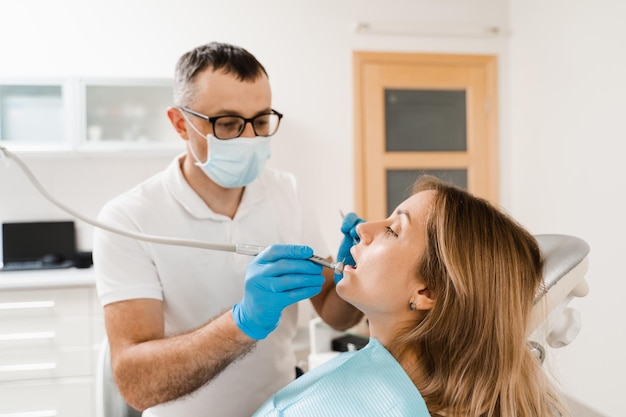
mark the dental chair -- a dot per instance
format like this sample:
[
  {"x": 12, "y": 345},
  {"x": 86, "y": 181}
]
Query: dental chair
[
  {"x": 109, "y": 401},
  {"x": 553, "y": 323}
]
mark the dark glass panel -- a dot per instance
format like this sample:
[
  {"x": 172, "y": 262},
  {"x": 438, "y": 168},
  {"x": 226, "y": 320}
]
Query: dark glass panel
[
  {"x": 400, "y": 182},
  {"x": 425, "y": 120}
]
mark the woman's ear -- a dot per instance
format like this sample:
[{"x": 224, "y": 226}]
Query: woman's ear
[{"x": 423, "y": 299}]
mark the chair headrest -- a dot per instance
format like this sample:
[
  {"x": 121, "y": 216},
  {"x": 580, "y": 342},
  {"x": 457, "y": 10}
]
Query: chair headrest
[{"x": 561, "y": 254}]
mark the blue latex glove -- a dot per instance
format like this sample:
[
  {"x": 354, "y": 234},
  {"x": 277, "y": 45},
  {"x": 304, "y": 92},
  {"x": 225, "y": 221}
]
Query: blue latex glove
[
  {"x": 350, "y": 238},
  {"x": 276, "y": 278}
]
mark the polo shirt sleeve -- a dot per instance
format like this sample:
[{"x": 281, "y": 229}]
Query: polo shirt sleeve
[{"x": 124, "y": 266}]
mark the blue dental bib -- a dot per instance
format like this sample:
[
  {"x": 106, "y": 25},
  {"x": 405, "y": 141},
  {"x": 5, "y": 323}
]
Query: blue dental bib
[{"x": 364, "y": 383}]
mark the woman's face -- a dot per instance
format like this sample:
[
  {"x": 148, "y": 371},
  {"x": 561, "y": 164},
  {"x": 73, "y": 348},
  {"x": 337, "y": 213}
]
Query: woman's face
[{"x": 385, "y": 281}]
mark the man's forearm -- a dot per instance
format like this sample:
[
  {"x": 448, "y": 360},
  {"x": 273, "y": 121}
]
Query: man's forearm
[
  {"x": 338, "y": 313},
  {"x": 158, "y": 371},
  {"x": 335, "y": 311}
]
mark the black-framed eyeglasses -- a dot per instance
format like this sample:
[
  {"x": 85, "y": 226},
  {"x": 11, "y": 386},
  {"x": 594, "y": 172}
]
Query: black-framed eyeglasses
[{"x": 230, "y": 127}]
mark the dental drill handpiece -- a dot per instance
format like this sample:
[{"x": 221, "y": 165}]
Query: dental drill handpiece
[{"x": 254, "y": 250}]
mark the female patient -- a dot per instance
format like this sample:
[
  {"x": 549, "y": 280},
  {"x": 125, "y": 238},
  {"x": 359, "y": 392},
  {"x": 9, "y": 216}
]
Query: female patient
[{"x": 447, "y": 284}]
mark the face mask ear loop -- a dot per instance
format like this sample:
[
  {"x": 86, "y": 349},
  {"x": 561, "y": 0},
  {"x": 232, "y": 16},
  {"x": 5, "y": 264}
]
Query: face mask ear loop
[
  {"x": 195, "y": 157},
  {"x": 193, "y": 153}
]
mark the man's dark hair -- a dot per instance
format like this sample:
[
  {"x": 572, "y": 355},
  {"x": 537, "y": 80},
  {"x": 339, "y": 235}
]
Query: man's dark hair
[{"x": 219, "y": 56}]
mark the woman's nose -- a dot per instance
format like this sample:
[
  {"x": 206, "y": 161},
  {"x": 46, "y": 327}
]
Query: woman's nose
[{"x": 362, "y": 232}]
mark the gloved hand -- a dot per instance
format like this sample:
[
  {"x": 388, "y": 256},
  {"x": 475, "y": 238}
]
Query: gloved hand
[
  {"x": 276, "y": 278},
  {"x": 350, "y": 238}
]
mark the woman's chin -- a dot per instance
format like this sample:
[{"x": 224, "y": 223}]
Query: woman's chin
[{"x": 344, "y": 282}]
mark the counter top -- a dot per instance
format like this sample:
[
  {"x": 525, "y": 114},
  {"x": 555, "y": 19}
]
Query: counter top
[{"x": 48, "y": 278}]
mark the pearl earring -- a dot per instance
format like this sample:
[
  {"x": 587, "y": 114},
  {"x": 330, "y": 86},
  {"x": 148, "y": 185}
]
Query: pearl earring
[{"x": 412, "y": 306}]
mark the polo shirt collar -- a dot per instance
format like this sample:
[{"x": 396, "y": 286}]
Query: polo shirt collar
[{"x": 254, "y": 193}]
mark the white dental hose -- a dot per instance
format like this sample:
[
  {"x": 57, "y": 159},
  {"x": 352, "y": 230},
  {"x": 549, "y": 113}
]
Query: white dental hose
[{"x": 241, "y": 248}]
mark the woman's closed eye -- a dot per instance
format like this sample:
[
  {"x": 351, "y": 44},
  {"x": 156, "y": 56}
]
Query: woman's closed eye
[{"x": 391, "y": 232}]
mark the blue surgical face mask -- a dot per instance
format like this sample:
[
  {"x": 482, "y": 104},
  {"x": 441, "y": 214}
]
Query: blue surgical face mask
[{"x": 235, "y": 162}]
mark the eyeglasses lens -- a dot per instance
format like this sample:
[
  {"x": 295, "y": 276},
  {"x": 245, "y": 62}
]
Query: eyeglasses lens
[{"x": 229, "y": 127}]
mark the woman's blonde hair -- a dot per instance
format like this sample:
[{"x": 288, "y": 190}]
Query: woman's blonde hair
[{"x": 483, "y": 270}]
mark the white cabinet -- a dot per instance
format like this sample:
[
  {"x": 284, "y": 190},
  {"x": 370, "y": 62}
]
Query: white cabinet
[
  {"x": 126, "y": 112},
  {"x": 86, "y": 114},
  {"x": 51, "y": 327},
  {"x": 33, "y": 113}
]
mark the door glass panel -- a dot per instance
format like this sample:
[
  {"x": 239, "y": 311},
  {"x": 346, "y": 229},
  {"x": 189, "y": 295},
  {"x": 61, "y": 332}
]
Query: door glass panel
[
  {"x": 31, "y": 113},
  {"x": 400, "y": 182},
  {"x": 128, "y": 113},
  {"x": 425, "y": 120}
]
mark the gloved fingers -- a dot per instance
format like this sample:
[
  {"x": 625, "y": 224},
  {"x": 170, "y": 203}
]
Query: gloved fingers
[
  {"x": 275, "y": 252},
  {"x": 348, "y": 260},
  {"x": 282, "y": 267},
  {"x": 302, "y": 294},
  {"x": 354, "y": 235},
  {"x": 347, "y": 242},
  {"x": 250, "y": 325},
  {"x": 290, "y": 282},
  {"x": 349, "y": 222},
  {"x": 350, "y": 238}
]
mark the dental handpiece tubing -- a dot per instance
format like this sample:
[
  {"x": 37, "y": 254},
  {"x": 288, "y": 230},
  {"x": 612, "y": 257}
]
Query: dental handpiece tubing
[
  {"x": 244, "y": 249},
  {"x": 254, "y": 250}
]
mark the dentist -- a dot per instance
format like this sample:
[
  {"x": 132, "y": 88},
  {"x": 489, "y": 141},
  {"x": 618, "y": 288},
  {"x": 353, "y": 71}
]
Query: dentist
[{"x": 192, "y": 331}]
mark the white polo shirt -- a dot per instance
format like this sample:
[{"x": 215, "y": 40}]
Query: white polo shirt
[{"x": 198, "y": 284}]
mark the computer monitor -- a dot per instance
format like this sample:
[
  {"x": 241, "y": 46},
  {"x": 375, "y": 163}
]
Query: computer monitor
[{"x": 31, "y": 242}]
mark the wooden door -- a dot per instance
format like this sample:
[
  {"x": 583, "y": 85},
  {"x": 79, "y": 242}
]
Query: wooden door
[{"x": 423, "y": 113}]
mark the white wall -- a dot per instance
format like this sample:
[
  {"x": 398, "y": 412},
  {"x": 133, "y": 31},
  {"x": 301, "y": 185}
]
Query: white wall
[
  {"x": 546, "y": 135},
  {"x": 306, "y": 48},
  {"x": 568, "y": 98}
]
